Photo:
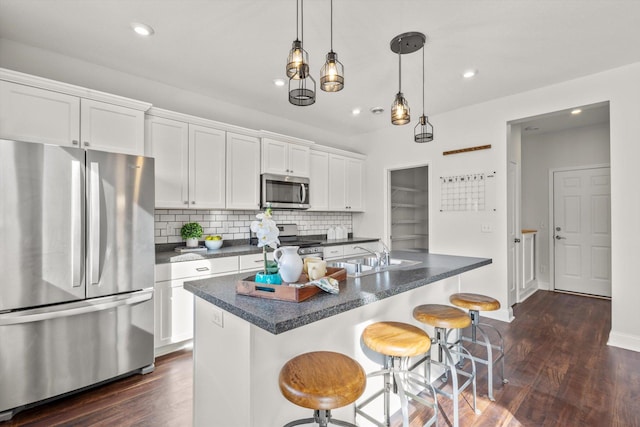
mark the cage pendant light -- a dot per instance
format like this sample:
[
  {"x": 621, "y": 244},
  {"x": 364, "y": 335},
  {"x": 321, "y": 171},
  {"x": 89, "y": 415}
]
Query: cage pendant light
[
  {"x": 400, "y": 112},
  {"x": 423, "y": 132},
  {"x": 332, "y": 72},
  {"x": 302, "y": 87},
  {"x": 403, "y": 44}
]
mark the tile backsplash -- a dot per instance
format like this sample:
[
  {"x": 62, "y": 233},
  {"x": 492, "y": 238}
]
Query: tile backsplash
[{"x": 234, "y": 225}]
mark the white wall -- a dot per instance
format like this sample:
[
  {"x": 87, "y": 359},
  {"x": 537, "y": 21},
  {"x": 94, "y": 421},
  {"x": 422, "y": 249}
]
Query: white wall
[
  {"x": 584, "y": 146},
  {"x": 486, "y": 123}
]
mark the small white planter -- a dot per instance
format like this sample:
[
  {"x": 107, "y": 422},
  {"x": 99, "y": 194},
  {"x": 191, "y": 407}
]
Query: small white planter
[{"x": 192, "y": 242}]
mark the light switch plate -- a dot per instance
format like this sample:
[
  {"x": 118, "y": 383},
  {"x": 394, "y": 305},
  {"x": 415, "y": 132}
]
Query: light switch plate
[{"x": 487, "y": 228}]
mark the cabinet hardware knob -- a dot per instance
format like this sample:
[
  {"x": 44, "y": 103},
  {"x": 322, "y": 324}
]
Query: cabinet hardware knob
[
  {"x": 86, "y": 143},
  {"x": 193, "y": 203},
  {"x": 186, "y": 202},
  {"x": 74, "y": 142}
]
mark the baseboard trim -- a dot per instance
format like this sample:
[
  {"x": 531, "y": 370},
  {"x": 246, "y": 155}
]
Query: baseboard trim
[
  {"x": 504, "y": 314},
  {"x": 626, "y": 341},
  {"x": 544, "y": 286}
]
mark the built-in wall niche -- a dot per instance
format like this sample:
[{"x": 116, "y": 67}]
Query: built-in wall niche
[{"x": 408, "y": 189}]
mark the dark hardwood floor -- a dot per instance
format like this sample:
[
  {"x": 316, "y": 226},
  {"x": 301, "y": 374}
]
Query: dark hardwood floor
[
  {"x": 161, "y": 398},
  {"x": 560, "y": 371}
]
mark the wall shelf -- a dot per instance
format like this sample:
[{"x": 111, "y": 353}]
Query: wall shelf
[{"x": 408, "y": 237}]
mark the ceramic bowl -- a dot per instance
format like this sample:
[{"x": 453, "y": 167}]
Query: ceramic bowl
[{"x": 213, "y": 244}]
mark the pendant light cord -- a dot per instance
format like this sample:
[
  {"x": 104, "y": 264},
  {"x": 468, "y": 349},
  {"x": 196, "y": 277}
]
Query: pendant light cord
[
  {"x": 331, "y": 25},
  {"x": 297, "y": 17},
  {"x": 302, "y": 23},
  {"x": 423, "y": 79},
  {"x": 400, "y": 66}
]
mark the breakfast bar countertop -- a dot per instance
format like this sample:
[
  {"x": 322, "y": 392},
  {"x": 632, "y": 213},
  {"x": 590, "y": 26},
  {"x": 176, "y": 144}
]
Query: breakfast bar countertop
[{"x": 281, "y": 316}]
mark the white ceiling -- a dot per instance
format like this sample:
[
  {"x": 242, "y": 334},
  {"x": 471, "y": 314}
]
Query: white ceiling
[{"x": 232, "y": 50}]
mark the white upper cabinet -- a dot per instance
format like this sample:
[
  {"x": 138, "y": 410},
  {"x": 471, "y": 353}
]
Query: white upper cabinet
[
  {"x": 345, "y": 183},
  {"x": 355, "y": 185},
  {"x": 319, "y": 180},
  {"x": 168, "y": 142},
  {"x": 284, "y": 158},
  {"x": 36, "y": 115},
  {"x": 108, "y": 127},
  {"x": 41, "y": 110},
  {"x": 207, "y": 167},
  {"x": 243, "y": 172},
  {"x": 189, "y": 164}
]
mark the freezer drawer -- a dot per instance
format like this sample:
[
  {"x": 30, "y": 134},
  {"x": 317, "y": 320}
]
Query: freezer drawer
[{"x": 61, "y": 348}]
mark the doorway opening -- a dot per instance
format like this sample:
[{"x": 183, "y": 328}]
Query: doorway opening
[
  {"x": 409, "y": 208},
  {"x": 571, "y": 139}
]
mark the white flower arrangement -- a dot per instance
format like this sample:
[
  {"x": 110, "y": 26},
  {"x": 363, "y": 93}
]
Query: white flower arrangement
[{"x": 266, "y": 232}]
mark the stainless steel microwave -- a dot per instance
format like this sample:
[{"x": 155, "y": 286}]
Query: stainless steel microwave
[{"x": 284, "y": 192}]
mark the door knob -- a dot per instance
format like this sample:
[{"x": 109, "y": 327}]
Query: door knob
[
  {"x": 559, "y": 237},
  {"x": 516, "y": 240}
]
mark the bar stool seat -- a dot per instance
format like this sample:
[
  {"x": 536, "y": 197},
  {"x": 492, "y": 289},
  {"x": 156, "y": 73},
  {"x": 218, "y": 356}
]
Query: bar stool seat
[
  {"x": 398, "y": 342},
  {"x": 443, "y": 317},
  {"x": 322, "y": 381},
  {"x": 476, "y": 303}
]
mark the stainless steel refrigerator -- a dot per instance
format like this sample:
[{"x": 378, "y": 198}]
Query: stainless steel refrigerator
[{"x": 76, "y": 269}]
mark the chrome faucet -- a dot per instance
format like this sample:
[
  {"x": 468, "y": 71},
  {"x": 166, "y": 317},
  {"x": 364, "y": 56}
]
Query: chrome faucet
[
  {"x": 386, "y": 260},
  {"x": 375, "y": 254}
]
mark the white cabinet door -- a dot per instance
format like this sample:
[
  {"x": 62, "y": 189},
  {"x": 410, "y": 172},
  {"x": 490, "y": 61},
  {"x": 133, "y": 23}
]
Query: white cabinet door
[
  {"x": 319, "y": 181},
  {"x": 275, "y": 157},
  {"x": 333, "y": 252},
  {"x": 253, "y": 262},
  {"x": 354, "y": 185},
  {"x": 38, "y": 115},
  {"x": 337, "y": 186},
  {"x": 207, "y": 167},
  {"x": 168, "y": 143},
  {"x": 283, "y": 158},
  {"x": 298, "y": 160},
  {"x": 174, "y": 313},
  {"x": 243, "y": 172},
  {"x": 109, "y": 127}
]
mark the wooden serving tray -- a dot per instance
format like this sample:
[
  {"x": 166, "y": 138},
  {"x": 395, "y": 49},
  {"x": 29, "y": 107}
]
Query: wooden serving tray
[{"x": 284, "y": 292}]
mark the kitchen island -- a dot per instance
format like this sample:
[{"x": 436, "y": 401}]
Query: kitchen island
[{"x": 241, "y": 342}]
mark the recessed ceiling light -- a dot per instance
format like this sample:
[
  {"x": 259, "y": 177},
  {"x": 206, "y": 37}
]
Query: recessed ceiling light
[
  {"x": 142, "y": 29},
  {"x": 576, "y": 111},
  {"x": 278, "y": 82},
  {"x": 376, "y": 110},
  {"x": 469, "y": 74},
  {"x": 356, "y": 111}
]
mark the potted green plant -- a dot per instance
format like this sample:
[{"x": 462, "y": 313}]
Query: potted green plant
[{"x": 191, "y": 232}]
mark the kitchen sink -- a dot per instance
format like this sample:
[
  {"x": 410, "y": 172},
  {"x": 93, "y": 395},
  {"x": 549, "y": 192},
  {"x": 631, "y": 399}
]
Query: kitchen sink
[{"x": 358, "y": 267}]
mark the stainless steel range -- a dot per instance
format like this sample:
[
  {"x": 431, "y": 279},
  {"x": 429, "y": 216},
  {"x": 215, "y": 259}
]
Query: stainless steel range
[{"x": 289, "y": 237}]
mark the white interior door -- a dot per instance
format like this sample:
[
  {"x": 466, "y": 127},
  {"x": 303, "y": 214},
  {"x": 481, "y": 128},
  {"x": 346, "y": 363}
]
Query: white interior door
[{"x": 582, "y": 230}]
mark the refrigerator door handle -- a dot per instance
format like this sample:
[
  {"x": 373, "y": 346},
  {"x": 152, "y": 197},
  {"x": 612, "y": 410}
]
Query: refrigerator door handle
[
  {"x": 75, "y": 308},
  {"x": 94, "y": 223},
  {"x": 77, "y": 224}
]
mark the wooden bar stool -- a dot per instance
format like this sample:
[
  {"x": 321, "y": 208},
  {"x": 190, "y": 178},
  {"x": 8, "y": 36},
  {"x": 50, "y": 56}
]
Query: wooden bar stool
[
  {"x": 443, "y": 317},
  {"x": 476, "y": 303},
  {"x": 322, "y": 381},
  {"x": 398, "y": 342}
]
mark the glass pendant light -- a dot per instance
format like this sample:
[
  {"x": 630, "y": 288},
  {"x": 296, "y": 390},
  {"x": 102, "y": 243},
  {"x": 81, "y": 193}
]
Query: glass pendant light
[
  {"x": 332, "y": 72},
  {"x": 423, "y": 132},
  {"x": 400, "y": 112},
  {"x": 302, "y": 87}
]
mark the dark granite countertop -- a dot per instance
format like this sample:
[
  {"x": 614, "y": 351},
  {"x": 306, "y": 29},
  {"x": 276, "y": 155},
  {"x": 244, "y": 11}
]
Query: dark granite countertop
[
  {"x": 166, "y": 254},
  {"x": 280, "y": 316}
]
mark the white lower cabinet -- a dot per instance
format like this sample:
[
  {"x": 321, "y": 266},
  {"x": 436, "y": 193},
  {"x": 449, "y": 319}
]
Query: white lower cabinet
[
  {"x": 174, "y": 305},
  {"x": 253, "y": 262},
  {"x": 333, "y": 252}
]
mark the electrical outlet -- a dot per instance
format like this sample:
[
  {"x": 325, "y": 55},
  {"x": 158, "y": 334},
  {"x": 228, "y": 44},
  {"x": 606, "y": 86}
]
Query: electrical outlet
[
  {"x": 169, "y": 230},
  {"x": 543, "y": 269},
  {"x": 487, "y": 228},
  {"x": 217, "y": 316}
]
